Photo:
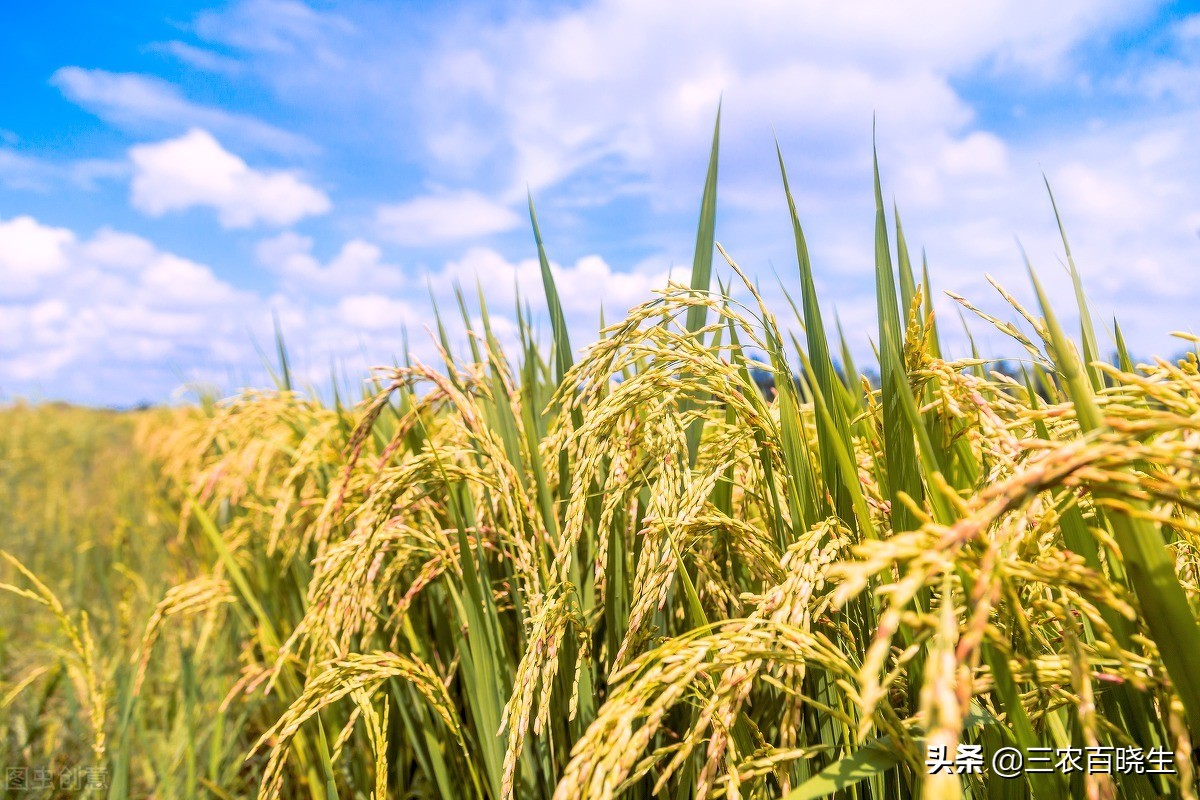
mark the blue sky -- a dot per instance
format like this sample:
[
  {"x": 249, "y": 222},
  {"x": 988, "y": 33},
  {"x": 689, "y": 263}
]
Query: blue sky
[{"x": 171, "y": 176}]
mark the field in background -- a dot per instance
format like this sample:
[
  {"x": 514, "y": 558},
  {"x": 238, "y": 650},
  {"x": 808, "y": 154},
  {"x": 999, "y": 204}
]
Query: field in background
[{"x": 637, "y": 575}]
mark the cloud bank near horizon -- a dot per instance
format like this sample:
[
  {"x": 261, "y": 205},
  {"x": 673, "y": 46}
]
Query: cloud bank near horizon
[{"x": 335, "y": 167}]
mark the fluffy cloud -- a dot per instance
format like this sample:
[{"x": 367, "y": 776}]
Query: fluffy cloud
[
  {"x": 111, "y": 317},
  {"x": 582, "y": 286},
  {"x": 444, "y": 217},
  {"x": 363, "y": 324},
  {"x": 194, "y": 170},
  {"x": 98, "y": 318},
  {"x": 375, "y": 312},
  {"x": 356, "y": 266},
  {"x": 360, "y": 322},
  {"x": 30, "y": 253},
  {"x": 555, "y": 93}
]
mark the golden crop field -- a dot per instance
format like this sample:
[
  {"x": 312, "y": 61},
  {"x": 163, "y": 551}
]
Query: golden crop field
[{"x": 628, "y": 573}]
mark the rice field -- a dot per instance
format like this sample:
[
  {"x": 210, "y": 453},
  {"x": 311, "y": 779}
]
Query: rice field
[{"x": 631, "y": 570}]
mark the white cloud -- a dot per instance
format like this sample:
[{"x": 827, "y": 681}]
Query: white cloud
[
  {"x": 375, "y": 312},
  {"x": 107, "y": 318},
  {"x": 117, "y": 250},
  {"x": 273, "y": 26},
  {"x": 29, "y": 254},
  {"x": 444, "y": 217},
  {"x": 194, "y": 170},
  {"x": 978, "y": 154},
  {"x": 111, "y": 317},
  {"x": 358, "y": 266},
  {"x": 361, "y": 323},
  {"x": 146, "y": 104},
  {"x": 364, "y": 327},
  {"x": 555, "y": 93},
  {"x": 583, "y": 287}
]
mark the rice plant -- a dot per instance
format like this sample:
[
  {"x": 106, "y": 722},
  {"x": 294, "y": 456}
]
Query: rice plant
[{"x": 629, "y": 571}]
